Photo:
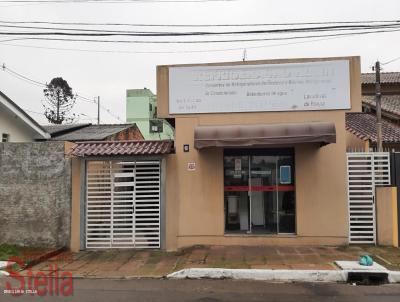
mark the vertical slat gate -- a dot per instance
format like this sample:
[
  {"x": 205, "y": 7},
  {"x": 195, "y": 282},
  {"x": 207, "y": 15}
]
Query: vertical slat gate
[
  {"x": 365, "y": 171},
  {"x": 147, "y": 210},
  {"x": 123, "y": 204},
  {"x": 98, "y": 204}
]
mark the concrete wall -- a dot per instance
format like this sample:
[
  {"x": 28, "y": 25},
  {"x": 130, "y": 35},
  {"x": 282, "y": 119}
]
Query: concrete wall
[
  {"x": 386, "y": 216},
  {"x": 11, "y": 124},
  {"x": 35, "y": 194},
  {"x": 195, "y": 199},
  {"x": 137, "y": 105}
]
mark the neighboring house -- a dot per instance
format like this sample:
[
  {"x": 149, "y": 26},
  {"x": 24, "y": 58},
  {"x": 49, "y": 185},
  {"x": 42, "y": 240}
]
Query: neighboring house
[
  {"x": 363, "y": 132},
  {"x": 390, "y": 89},
  {"x": 16, "y": 125},
  {"x": 89, "y": 132},
  {"x": 390, "y": 83},
  {"x": 141, "y": 108},
  {"x": 362, "y": 126},
  {"x": 390, "y": 106}
]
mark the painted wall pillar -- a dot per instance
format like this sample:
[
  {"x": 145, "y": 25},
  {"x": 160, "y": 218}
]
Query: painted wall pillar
[{"x": 386, "y": 216}]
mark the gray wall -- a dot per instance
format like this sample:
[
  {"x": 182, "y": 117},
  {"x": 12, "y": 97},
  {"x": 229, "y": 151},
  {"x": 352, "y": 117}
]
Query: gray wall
[{"x": 35, "y": 194}]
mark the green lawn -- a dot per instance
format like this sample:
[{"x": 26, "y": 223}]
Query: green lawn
[{"x": 7, "y": 251}]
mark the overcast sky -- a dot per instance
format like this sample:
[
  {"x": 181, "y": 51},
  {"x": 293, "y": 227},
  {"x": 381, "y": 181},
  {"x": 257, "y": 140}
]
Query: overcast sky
[{"x": 109, "y": 74}]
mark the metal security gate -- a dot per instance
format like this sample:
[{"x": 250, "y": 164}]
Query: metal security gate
[
  {"x": 123, "y": 204},
  {"x": 365, "y": 171}
]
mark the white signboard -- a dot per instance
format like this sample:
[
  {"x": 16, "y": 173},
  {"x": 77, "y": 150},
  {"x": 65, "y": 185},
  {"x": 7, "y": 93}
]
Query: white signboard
[{"x": 321, "y": 85}]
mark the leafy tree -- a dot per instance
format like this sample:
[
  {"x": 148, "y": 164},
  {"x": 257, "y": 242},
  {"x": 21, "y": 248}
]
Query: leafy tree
[{"x": 59, "y": 102}]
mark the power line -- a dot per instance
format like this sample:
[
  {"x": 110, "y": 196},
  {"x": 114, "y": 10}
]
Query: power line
[
  {"x": 31, "y": 111},
  {"x": 200, "y": 25},
  {"x": 174, "y": 51},
  {"x": 89, "y": 118},
  {"x": 199, "y": 41},
  {"x": 171, "y": 52},
  {"x": 22, "y": 77},
  {"x": 40, "y": 84},
  {"x": 11, "y": 3},
  {"x": 390, "y": 61},
  {"x": 103, "y": 32},
  {"x": 109, "y": 33},
  {"x": 113, "y": 1},
  {"x": 30, "y": 3},
  {"x": 85, "y": 99}
]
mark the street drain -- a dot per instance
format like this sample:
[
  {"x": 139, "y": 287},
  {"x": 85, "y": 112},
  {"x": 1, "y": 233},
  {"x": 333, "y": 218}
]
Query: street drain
[{"x": 367, "y": 278}]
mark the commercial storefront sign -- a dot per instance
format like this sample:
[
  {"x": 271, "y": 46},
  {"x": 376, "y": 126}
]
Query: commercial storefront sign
[{"x": 322, "y": 85}]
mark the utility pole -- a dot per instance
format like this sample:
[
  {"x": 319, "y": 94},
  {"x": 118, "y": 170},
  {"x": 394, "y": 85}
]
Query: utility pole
[
  {"x": 244, "y": 54},
  {"x": 98, "y": 110},
  {"x": 378, "y": 97}
]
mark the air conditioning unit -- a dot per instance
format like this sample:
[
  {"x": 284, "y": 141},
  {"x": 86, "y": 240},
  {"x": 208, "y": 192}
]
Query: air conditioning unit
[{"x": 156, "y": 126}]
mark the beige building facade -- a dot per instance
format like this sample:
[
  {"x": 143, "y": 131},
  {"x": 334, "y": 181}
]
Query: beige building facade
[
  {"x": 238, "y": 172},
  {"x": 199, "y": 201}
]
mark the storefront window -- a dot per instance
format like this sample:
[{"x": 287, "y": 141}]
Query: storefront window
[{"x": 259, "y": 191}]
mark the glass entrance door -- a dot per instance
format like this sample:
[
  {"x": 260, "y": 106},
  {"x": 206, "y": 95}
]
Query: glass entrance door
[
  {"x": 259, "y": 192},
  {"x": 237, "y": 194},
  {"x": 263, "y": 194}
]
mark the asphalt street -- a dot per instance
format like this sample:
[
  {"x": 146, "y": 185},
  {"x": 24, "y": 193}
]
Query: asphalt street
[{"x": 102, "y": 290}]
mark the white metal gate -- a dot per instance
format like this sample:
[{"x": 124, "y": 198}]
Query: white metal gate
[
  {"x": 123, "y": 204},
  {"x": 365, "y": 171}
]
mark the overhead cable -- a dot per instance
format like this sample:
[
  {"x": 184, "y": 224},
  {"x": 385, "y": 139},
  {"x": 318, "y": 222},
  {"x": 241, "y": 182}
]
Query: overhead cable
[
  {"x": 200, "y": 25},
  {"x": 198, "y": 41}
]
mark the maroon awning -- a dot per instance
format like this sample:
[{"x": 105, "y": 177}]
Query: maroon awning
[
  {"x": 115, "y": 148},
  {"x": 264, "y": 135}
]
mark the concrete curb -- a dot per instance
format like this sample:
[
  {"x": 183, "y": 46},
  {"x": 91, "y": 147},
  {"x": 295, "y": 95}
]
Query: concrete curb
[
  {"x": 262, "y": 274},
  {"x": 394, "y": 277},
  {"x": 271, "y": 275},
  {"x": 4, "y": 274}
]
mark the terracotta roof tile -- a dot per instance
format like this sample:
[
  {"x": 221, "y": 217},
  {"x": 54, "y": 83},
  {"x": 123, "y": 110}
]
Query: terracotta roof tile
[
  {"x": 363, "y": 125},
  {"x": 389, "y": 103},
  {"x": 386, "y": 78},
  {"x": 113, "y": 148}
]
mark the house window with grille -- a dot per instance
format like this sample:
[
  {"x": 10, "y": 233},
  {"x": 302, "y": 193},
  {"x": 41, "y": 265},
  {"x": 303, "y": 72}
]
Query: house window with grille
[{"x": 5, "y": 137}]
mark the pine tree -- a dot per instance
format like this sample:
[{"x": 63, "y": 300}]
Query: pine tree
[{"x": 59, "y": 102}]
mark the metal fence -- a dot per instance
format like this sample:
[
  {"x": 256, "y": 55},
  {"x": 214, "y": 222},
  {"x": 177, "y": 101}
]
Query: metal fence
[
  {"x": 365, "y": 171},
  {"x": 123, "y": 204}
]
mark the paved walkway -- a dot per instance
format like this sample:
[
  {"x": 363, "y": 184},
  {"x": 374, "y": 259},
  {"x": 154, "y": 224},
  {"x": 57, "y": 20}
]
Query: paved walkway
[{"x": 147, "y": 263}]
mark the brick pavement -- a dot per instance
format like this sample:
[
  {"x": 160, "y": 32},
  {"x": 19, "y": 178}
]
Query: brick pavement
[{"x": 155, "y": 263}]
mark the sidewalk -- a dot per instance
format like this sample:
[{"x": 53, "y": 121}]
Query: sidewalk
[{"x": 157, "y": 264}]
